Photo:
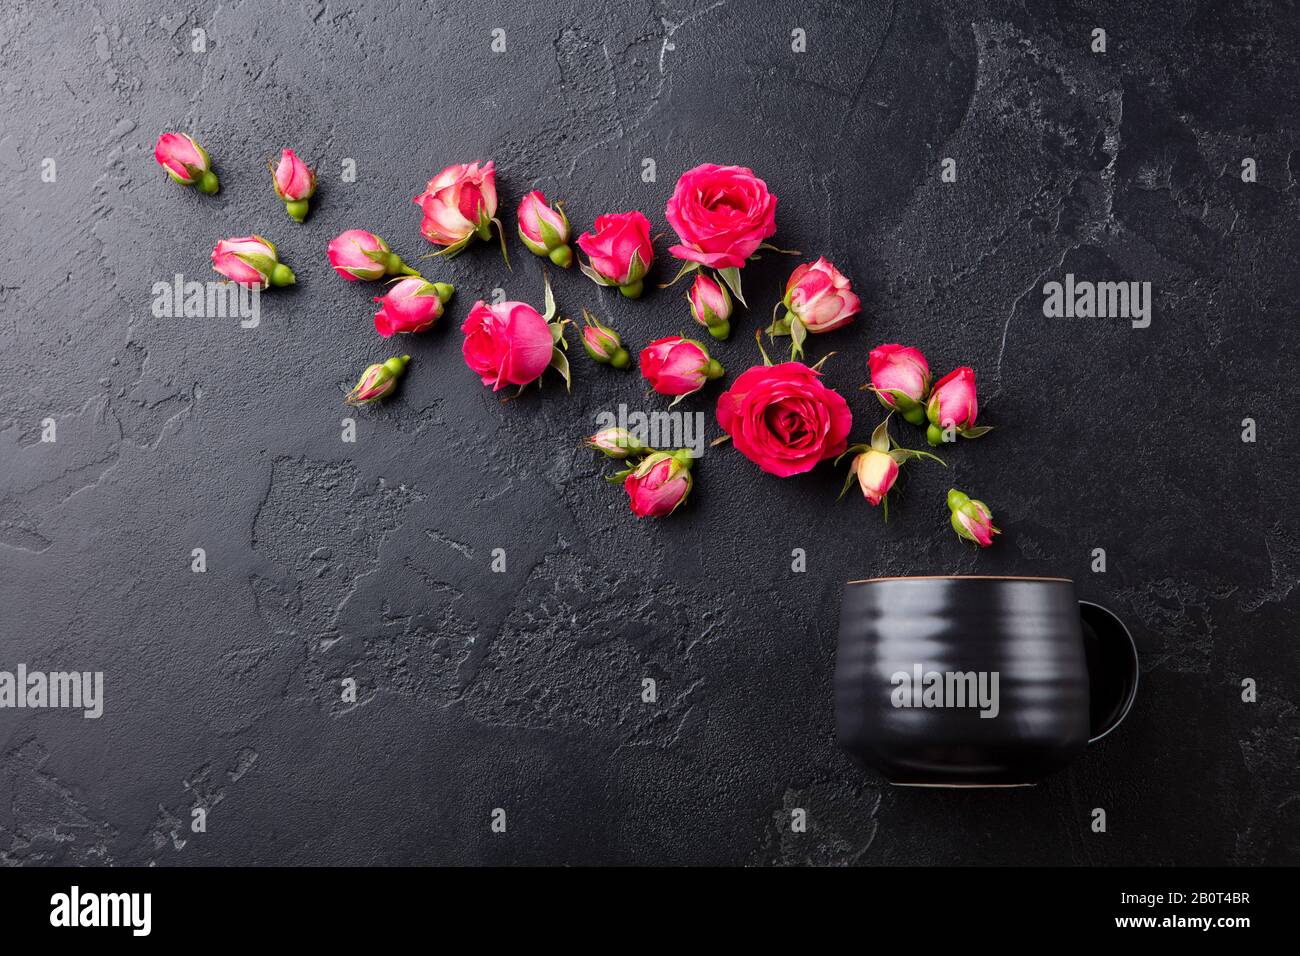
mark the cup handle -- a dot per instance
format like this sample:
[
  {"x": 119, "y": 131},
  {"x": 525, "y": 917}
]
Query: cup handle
[{"x": 1113, "y": 668}]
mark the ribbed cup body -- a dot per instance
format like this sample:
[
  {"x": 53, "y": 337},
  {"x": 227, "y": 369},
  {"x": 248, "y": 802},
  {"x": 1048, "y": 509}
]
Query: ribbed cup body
[{"x": 1024, "y": 630}]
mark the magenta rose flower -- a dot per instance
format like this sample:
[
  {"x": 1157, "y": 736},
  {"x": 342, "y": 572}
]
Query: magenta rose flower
[
  {"x": 722, "y": 214},
  {"x": 971, "y": 519},
  {"x": 953, "y": 407},
  {"x": 358, "y": 255},
  {"x": 411, "y": 305},
  {"x": 295, "y": 183},
  {"x": 620, "y": 251},
  {"x": 783, "y": 419},
  {"x": 678, "y": 366},
  {"x": 511, "y": 343},
  {"x": 185, "y": 161},
  {"x": 544, "y": 229},
  {"x": 458, "y": 204},
  {"x": 252, "y": 262},
  {"x": 658, "y": 486},
  {"x": 900, "y": 377},
  {"x": 711, "y": 305}
]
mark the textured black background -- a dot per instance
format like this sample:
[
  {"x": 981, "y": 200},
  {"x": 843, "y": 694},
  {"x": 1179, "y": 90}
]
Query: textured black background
[{"x": 522, "y": 690}]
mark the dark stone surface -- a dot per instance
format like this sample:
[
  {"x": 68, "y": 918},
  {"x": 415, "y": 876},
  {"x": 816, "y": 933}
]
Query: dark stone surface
[{"x": 522, "y": 690}]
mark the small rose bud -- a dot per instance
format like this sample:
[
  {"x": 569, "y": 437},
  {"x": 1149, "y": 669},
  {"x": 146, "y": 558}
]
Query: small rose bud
[
  {"x": 819, "y": 296},
  {"x": 952, "y": 405},
  {"x": 877, "y": 471},
  {"x": 620, "y": 251},
  {"x": 711, "y": 305},
  {"x": 252, "y": 262},
  {"x": 603, "y": 344},
  {"x": 295, "y": 183},
  {"x": 971, "y": 519},
  {"x": 411, "y": 304},
  {"x": 358, "y": 255},
  {"x": 185, "y": 161},
  {"x": 900, "y": 377},
  {"x": 657, "y": 486},
  {"x": 377, "y": 381},
  {"x": 617, "y": 443},
  {"x": 678, "y": 366},
  {"x": 545, "y": 229}
]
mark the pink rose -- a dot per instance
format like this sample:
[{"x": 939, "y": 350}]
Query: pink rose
[
  {"x": 507, "y": 344},
  {"x": 677, "y": 366},
  {"x": 185, "y": 161},
  {"x": 620, "y": 251},
  {"x": 711, "y": 305},
  {"x": 971, "y": 519},
  {"x": 722, "y": 214},
  {"x": 953, "y": 405},
  {"x": 252, "y": 262},
  {"x": 783, "y": 419},
  {"x": 818, "y": 295},
  {"x": 876, "y": 471},
  {"x": 459, "y": 203},
  {"x": 544, "y": 229},
  {"x": 410, "y": 305},
  {"x": 658, "y": 485},
  {"x": 295, "y": 183},
  {"x": 359, "y": 255},
  {"x": 900, "y": 377}
]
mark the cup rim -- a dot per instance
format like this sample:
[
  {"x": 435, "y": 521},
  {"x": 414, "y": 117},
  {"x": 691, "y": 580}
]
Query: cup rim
[{"x": 960, "y": 577}]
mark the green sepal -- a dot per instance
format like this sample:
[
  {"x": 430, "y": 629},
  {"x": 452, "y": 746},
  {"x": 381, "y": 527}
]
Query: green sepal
[
  {"x": 976, "y": 432},
  {"x": 592, "y": 274},
  {"x": 798, "y": 335},
  {"x": 688, "y": 267},
  {"x": 880, "y": 440},
  {"x": 731, "y": 276}
]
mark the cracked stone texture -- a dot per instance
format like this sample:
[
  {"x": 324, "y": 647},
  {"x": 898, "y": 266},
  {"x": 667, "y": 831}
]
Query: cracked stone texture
[{"x": 523, "y": 689}]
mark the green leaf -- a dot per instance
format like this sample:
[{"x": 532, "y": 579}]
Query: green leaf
[
  {"x": 592, "y": 274},
  {"x": 560, "y": 362},
  {"x": 731, "y": 276},
  {"x": 880, "y": 437},
  {"x": 798, "y": 335},
  {"x": 549, "y": 297},
  {"x": 784, "y": 252},
  {"x": 687, "y": 268},
  {"x": 977, "y": 431}
]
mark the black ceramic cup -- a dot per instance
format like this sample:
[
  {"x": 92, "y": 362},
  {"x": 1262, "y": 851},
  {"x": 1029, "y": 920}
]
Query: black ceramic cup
[{"x": 977, "y": 681}]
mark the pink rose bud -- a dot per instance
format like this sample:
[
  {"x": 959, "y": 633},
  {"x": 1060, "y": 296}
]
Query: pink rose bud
[
  {"x": 620, "y": 251},
  {"x": 410, "y": 305},
  {"x": 952, "y": 408},
  {"x": 616, "y": 443},
  {"x": 971, "y": 519},
  {"x": 677, "y": 366},
  {"x": 251, "y": 261},
  {"x": 377, "y": 381},
  {"x": 900, "y": 377},
  {"x": 511, "y": 343},
  {"x": 659, "y": 484},
  {"x": 360, "y": 255},
  {"x": 711, "y": 305},
  {"x": 818, "y": 299},
  {"x": 876, "y": 471},
  {"x": 185, "y": 161},
  {"x": 458, "y": 204},
  {"x": 876, "y": 465},
  {"x": 295, "y": 183},
  {"x": 545, "y": 229},
  {"x": 603, "y": 344}
]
